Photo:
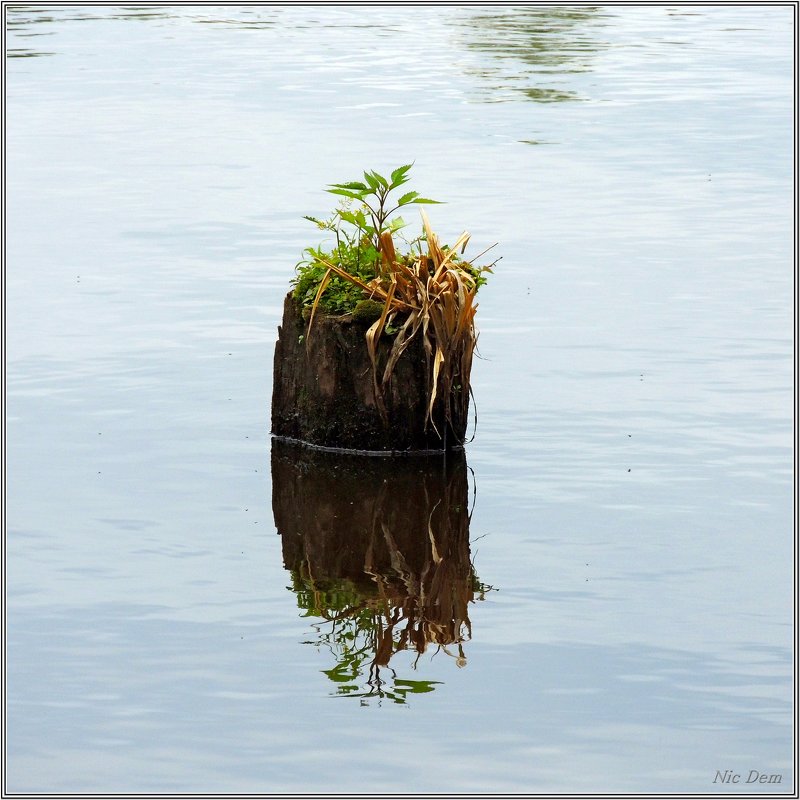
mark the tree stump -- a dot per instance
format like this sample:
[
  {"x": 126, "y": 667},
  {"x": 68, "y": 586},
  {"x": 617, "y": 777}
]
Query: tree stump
[{"x": 324, "y": 391}]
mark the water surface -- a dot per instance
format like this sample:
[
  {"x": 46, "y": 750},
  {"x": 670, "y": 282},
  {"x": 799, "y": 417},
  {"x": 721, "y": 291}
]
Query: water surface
[{"x": 625, "y": 568}]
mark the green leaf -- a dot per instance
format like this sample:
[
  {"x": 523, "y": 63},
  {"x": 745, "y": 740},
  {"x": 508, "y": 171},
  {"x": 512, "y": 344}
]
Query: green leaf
[
  {"x": 396, "y": 224},
  {"x": 344, "y": 193},
  {"x": 371, "y": 180},
  {"x": 399, "y": 175},
  {"x": 351, "y": 185},
  {"x": 426, "y": 200},
  {"x": 348, "y": 216},
  {"x": 408, "y": 197},
  {"x": 381, "y": 180}
]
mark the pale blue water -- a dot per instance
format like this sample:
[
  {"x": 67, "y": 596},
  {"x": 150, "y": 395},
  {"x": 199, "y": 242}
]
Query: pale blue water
[{"x": 633, "y": 457}]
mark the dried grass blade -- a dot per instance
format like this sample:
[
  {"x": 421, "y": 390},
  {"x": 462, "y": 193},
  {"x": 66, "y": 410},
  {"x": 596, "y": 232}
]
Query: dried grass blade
[
  {"x": 438, "y": 360},
  {"x": 322, "y": 285},
  {"x": 401, "y": 341},
  {"x": 434, "y": 251},
  {"x": 437, "y": 559},
  {"x": 464, "y": 326},
  {"x": 373, "y": 335},
  {"x": 459, "y": 243},
  {"x": 387, "y": 249},
  {"x": 347, "y": 276}
]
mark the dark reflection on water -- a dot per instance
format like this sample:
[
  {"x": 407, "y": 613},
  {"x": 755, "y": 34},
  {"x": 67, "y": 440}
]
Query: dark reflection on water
[
  {"x": 24, "y": 15},
  {"x": 378, "y": 551},
  {"x": 19, "y": 52},
  {"x": 533, "y": 49},
  {"x": 546, "y": 42},
  {"x": 21, "y": 16},
  {"x": 16, "y": 20},
  {"x": 236, "y": 23}
]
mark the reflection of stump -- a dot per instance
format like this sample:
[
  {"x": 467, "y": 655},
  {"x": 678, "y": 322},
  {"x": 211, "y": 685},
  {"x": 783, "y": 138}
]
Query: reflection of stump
[
  {"x": 323, "y": 390},
  {"x": 385, "y": 536}
]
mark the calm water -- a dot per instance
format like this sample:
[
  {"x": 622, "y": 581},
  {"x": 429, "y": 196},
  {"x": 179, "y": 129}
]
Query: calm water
[{"x": 623, "y": 587}]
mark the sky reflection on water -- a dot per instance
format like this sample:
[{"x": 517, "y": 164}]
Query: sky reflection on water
[{"x": 633, "y": 459}]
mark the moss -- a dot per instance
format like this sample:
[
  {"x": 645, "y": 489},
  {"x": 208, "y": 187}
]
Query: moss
[{"x": 367, "y": 311}]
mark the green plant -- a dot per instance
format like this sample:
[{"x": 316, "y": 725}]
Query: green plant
[
  {"x": 428, "y": 290},
  {"x": 374, "y": 197},
  {"x": 363, "y": 239}
]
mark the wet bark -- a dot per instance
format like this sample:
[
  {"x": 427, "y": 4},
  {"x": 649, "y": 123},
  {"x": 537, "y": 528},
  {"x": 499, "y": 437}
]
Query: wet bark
[{"x": 324, "y": 393}]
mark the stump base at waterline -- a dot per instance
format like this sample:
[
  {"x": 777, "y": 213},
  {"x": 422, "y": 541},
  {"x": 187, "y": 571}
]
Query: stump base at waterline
[{"x": 323, "y": 392}]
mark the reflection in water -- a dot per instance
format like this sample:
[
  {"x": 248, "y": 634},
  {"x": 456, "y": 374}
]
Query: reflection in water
[
  {"x": 378, "y": 550},
  {"x": 20, "y": 17},
  {"x": 548, "y": 42},
  {"x": 17, "y": 21},
  {"x": 26, "y": 15},
  {"x": 19, "y": 52}
]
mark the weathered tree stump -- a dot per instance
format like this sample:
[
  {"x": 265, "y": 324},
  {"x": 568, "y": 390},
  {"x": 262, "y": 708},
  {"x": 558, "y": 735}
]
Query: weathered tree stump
[{"x": 324, "y": 392}]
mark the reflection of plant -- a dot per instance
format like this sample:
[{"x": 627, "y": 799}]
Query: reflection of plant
[
  {"x": 362, "y": 640},
  {"x": 534, "y": 48},
  {"x": 365, "y": 625},
  {"x": 378, "y": 551}
]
